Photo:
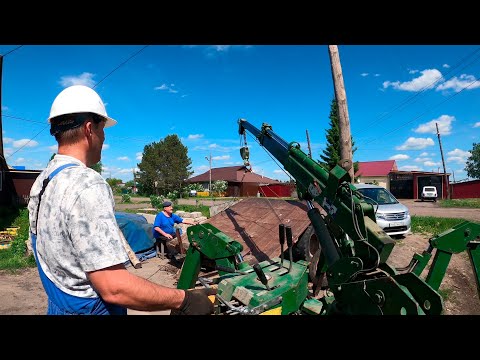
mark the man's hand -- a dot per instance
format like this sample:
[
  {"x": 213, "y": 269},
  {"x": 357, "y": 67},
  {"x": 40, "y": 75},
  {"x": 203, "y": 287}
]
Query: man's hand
[{"x": 196, "y": 302}]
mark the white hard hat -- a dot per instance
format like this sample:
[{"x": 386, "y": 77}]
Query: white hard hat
[{"x": 79, "y": 99}]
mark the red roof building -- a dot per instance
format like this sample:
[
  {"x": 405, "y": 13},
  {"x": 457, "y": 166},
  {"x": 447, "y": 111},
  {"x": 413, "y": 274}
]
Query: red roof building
[
  {"x": 240, "y": 182},
  {"x": 371, "y": 171}
]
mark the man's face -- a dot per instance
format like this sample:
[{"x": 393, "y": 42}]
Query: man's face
[
  {"x": 168, "y": 209},
  {"x": 98, "y": 137}
]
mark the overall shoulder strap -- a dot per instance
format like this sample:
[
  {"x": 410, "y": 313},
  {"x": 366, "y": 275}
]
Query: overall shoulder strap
[{"x": 45, "y": 183}]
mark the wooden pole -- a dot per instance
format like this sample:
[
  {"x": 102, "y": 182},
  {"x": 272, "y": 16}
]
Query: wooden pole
[
  {"x": 343, "y": 119},
  {"x": 308, "y": 143},
  {"x": 447, "y": 185}
]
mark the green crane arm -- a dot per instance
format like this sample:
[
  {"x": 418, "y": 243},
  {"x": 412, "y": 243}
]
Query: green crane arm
[{"x": 346, "y": 212}]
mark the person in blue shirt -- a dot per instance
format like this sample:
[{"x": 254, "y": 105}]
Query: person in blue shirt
[{"x": 164, "y": 226}]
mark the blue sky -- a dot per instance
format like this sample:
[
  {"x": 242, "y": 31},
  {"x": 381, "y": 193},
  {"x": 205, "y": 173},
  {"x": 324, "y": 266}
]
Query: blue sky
[{"x": 395, "y": 96}]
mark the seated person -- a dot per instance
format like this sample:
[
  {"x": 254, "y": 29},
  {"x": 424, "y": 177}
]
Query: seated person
[{"x": 163, "y": 226}]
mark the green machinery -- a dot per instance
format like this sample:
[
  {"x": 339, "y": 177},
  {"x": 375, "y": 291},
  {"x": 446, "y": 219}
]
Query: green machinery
[{"x": 353, "y": 257}]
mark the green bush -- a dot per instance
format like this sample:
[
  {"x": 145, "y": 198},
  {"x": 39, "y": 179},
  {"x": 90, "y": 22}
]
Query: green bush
[
  {"x": 14, "y": 257},
  {"x": 156, "y": 201}
]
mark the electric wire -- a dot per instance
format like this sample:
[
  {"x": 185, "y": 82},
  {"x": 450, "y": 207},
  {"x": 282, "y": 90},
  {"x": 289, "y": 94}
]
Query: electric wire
[
  {"x": 405, "y": 102},
  {"x": 105, "y": 77}
]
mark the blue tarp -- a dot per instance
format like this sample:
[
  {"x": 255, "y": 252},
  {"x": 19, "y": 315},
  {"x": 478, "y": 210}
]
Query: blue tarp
[{"x": 137, "y": 231}]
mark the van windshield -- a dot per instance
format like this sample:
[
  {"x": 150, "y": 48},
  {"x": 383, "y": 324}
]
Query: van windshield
[
  {"x": 430, "y": 188},
  {"x": 378, "y": 196}
]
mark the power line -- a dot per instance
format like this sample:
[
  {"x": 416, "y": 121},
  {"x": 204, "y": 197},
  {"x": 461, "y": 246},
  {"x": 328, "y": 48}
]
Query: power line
[
  {"x": 426, "y": 111},
  {"x": 11, "y": 51},
  {"x": 409, "y": 99},
  {"x": 28, "y": 142},
  {"x": 111, "y": 72},
  {"x": 123, "y": 63}
]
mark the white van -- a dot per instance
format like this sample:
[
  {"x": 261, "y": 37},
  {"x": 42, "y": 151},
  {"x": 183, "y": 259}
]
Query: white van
[
  {"x": 429, "y": 193},
  {"x": 391, "y": 215}
]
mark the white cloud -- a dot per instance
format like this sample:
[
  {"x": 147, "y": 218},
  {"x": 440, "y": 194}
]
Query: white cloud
[
  {"x": 422, "y": 159},
  {"x": 8, "y": 151},
  {"x": 82, "y": 79},
  {"x": 431, "y": 163},
  {"x": 425, "y": 81},
  {"x": 195, "y": 136},
  {"x": 139, "y": 156},
  {"x": 7, "y": 140},
  {"x": 53, "y": 148},
  {"x": 20, "y": 161},
  {"x": 457, "y": 84},
  {"x": 477, "y": 124},
  {"x": 201, "y": 169},
  {"x": 364, "y": 74},
  {"x": 399, "y": 157},
  {"x": 125, "y": 171},
  {"x": 24, "y": 143},
  {"x": 415, "y": 144},
  {"x": 225, "y": 48},
  {"x": 446, "y": 66},
  {"x": 444, "y": 125},
  {"x": 105, "y": 146},
  {"x": 223, "y": 157},
  {"x": 458, "y": 156},
  {"x": 213, "y": 146},
  {"x": 410, "y": 168},
  {"x": 168, "y": 88},
  {"x": 412, "y": 71},
  {"x": 424, "y": 154},
  {"x": 278, "y": 171},
  {"x": 123, "y": 158}
]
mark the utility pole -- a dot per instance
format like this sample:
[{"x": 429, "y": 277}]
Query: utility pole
[
  {"x": 443, "y": 162},
  {"x": 210, "y": 183},
  {"x": 343, "y": 119},
  {"x": 308, "y": 143}
]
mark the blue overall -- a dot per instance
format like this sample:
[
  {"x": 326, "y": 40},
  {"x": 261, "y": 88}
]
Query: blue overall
[{"x": 59, "y": 302}]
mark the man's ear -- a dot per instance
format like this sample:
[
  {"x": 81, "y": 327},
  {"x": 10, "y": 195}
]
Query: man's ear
[{"x": 88, "y": 128}]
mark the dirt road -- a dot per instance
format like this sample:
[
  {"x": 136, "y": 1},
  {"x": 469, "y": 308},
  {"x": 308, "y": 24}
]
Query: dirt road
[{"x": 430, "y": 208}]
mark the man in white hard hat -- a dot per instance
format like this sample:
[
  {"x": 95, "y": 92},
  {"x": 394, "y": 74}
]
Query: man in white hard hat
[{"x": 76, "y": 240}]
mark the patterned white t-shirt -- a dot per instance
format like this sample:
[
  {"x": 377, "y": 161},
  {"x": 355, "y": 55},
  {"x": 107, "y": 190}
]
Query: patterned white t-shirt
[{"x": 77, "y": 231}]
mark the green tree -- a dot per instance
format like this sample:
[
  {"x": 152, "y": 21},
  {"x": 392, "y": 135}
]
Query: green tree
[
  {"x": 114, "y": 184},
  {"x": 331, "y": 155},
  {"x": 97, "y": 167},
  {"x": 473, "y": 162},
  {"x": 164, "y": 167}
]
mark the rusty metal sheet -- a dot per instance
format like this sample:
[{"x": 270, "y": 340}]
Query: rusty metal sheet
[{"x": 254, "y": 223}]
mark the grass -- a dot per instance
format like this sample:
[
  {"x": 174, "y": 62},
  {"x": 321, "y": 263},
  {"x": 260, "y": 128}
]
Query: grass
[
  {"x": 445, "y": 293},
  {"x": 13, "y": 258},
  {"x": 430, "y": 225},
  {"x": 462, "y": 203}
]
